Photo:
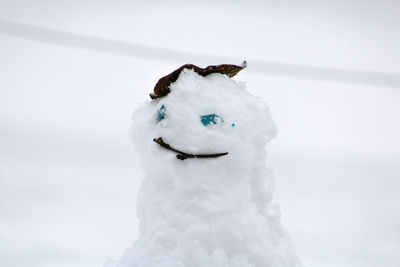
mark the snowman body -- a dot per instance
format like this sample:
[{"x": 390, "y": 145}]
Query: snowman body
[{"x": 207, "y": 211}]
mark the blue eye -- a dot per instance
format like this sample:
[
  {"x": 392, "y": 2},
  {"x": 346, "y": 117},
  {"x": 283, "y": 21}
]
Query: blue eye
[
  {"x": 161, "y": 113},
  {"x": 211, "y": 118}
]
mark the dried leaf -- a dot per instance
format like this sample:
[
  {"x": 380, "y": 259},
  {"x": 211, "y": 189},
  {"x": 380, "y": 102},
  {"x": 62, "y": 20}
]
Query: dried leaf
[{"x": 162, "y": 87}]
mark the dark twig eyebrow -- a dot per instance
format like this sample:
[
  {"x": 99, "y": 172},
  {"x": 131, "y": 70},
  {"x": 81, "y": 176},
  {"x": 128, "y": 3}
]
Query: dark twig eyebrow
[{"x": 182, "y": 155}]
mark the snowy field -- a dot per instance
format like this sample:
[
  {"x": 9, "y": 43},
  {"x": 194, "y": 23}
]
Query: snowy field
[{"x": 68, "y": 173}]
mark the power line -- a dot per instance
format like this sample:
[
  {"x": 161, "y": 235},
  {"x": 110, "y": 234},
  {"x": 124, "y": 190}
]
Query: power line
[{"x": 175, "y": 56}]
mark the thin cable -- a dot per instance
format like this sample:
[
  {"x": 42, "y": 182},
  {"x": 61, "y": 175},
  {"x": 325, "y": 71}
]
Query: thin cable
[{"x": 180, "y": 57}]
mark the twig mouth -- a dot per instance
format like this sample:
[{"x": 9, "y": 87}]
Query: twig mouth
[{"x": 182, "y": 155}]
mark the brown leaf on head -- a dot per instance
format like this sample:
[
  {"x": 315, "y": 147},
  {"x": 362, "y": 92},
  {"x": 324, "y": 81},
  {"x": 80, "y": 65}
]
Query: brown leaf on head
[{"x": 162, "y": 87}]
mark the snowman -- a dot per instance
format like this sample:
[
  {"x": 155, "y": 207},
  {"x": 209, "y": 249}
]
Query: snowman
[{"x": 206, "y": 198}]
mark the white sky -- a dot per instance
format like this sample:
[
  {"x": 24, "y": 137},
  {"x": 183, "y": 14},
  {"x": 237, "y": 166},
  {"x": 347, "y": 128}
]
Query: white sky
[{"x": 68, "y": 175}]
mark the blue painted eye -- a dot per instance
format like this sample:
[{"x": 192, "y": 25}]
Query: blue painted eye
[
  {"x": 161, "y": 113},
  {"x": 211, "y": 119}
]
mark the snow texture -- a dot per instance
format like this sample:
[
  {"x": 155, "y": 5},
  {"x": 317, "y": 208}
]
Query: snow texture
[{"x": 213, "y": 211}]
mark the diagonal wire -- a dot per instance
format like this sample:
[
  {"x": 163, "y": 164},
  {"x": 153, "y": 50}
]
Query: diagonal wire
[{"x": 175, "y": 56}]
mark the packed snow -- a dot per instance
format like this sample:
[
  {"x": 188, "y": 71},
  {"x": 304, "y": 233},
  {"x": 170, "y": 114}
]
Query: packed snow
[{"x": 213, "y": 211}]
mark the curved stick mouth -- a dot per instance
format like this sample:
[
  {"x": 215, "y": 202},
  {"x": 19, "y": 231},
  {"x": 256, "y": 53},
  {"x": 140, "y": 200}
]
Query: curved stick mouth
[{"x": 182, "y": 155}]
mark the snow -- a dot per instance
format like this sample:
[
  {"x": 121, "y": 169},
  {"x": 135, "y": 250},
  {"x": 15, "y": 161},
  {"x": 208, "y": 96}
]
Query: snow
[
  {"x": 68, "y": 174},
  {"x": 214, "y": 211}
]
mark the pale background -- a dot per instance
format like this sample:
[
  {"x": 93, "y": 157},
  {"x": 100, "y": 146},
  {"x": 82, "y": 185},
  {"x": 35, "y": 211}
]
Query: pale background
[{"x": 69, "y": 176}]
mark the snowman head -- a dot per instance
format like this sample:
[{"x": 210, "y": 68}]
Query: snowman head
[{"x": 200, "y": 112}]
